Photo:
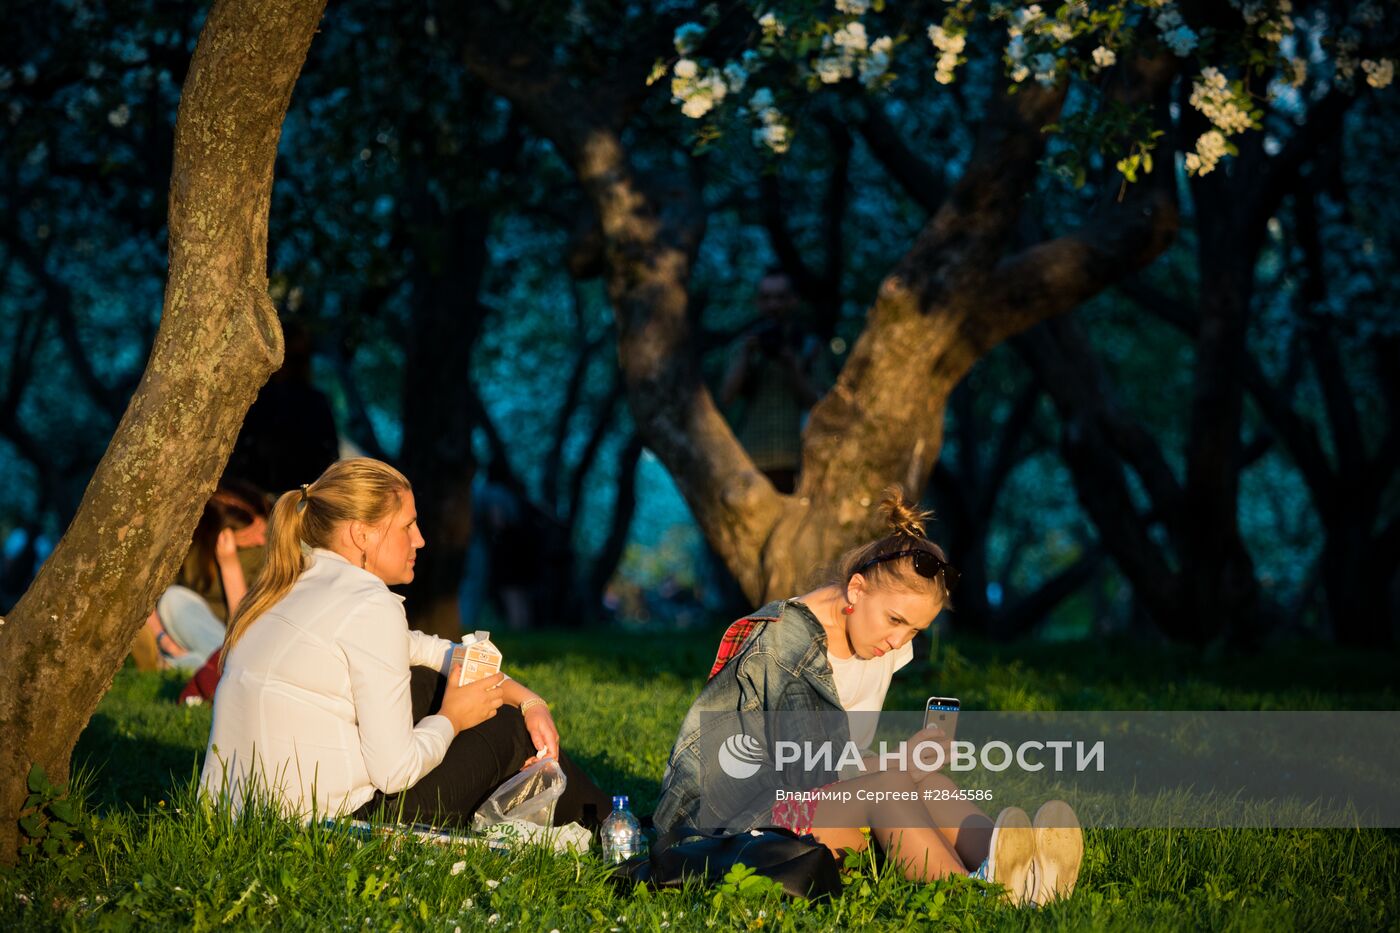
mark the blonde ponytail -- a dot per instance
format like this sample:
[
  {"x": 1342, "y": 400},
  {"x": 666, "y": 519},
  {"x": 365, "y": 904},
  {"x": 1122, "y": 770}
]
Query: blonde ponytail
[{"x": 358, "y": 489}]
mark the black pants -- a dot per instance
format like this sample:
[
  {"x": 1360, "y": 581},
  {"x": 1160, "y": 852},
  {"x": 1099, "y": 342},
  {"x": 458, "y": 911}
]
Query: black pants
[{"x": 478, "y": 761}]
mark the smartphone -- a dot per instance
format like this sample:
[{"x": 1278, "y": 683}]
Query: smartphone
[{"x": 943, "y": 713}]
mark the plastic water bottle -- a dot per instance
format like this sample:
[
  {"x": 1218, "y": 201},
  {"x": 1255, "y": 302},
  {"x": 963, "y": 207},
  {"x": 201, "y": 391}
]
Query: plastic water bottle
[{"x": 621, "y": 834}]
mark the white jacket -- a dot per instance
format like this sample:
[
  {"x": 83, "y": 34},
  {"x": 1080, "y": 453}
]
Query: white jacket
[{"x": 314, "y": 701}]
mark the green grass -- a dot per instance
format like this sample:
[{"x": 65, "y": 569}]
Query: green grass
[{"x": 155, "y": 858}]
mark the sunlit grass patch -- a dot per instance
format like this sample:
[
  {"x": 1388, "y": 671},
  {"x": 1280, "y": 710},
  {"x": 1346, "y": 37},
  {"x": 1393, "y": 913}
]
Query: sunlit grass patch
[{"x": 158, "y": 859}]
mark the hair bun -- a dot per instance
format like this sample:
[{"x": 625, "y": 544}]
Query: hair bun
[{"x": 904, "y": 518}]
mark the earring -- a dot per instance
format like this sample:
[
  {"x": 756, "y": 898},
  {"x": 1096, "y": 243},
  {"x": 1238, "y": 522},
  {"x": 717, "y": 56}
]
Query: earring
[
  {"x": 848, "y": 609},
  {"x": 364, "y": 561}
]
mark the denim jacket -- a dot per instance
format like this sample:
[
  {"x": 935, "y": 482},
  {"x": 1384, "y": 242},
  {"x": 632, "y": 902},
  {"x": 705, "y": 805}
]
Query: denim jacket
[{"x": 782, "y": 671}]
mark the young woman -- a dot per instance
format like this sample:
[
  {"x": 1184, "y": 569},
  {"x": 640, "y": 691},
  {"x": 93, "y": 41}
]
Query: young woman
[
  {"x": 316, "y": 705},
  {"x": 226, "y": 551},
  {"x": 835, "y": 649}
]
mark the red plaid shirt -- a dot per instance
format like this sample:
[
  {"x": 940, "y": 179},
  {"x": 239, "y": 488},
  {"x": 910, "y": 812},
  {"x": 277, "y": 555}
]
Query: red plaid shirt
[{"x": 732, "y": 640}]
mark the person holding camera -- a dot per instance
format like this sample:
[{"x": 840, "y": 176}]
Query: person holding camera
[{"x": 771, "y": 383}]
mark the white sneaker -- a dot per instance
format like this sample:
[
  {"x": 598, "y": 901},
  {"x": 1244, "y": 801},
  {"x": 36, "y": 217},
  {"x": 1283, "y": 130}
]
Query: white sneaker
[
  {"x": 1059, "y": 851},
  {"x": 1010, "y": 858}
]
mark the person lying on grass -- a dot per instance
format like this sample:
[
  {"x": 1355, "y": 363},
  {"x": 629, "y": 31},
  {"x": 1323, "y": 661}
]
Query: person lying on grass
[
  {"x": 326, "y": 693},
  {"x": 835, "y": 649}
]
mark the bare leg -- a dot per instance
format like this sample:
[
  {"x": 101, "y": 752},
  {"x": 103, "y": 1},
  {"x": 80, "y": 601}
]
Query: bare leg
[
  {"x": 904, "y": 828},
  {"x": 967, "y": 829}
]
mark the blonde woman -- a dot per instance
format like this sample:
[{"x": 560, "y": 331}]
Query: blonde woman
[{"x": 330, "y": 702}]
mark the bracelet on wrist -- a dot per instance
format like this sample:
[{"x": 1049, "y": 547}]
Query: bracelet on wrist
[{"x": 531, "y": 704}]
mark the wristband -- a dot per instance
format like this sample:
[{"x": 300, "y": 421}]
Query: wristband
[{"x": 531, "y": 704}]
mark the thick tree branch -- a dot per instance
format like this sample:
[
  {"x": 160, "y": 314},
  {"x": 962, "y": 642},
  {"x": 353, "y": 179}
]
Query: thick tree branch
[
  {"x": 810, "y": 285},
  {"x": 1296, "y": 433},
  {"x": 651, "y": 228},
  {"x": 1076, "y": 382}
]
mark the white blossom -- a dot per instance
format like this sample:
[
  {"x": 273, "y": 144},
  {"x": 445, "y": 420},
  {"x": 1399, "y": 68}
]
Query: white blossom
[
  {"x": 458, "y": 867},
  {"x": 119, "y": 116},
  {"x": 1104, "y": 57},
  {"x": 1296, "y": 71},
  {"x": 774, "y": 132},
  {"x": 1379, "y": 74},
  {"x": 1210, "y": 149},
  {"x": 696, "y": 107},
  {"x": 1024, "y": 17},
  {"x": 772, "y": 26},
  {"x": 774, "y": 136},
  {"x": 832, "y": 68},
  {"x": 851, "y": 36},
  {"x": 697, "y": 95},
  {"x": 946, "y": 41},
  {"x": 1061, "y": 32},
  {"x": 874, "y": 65},
  {"x": 1212, "y": 96},
  {"x": 853, "y": 7}
]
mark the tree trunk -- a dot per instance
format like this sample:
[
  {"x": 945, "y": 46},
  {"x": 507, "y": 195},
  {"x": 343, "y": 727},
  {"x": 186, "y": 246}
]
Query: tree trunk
[
  {"x": 959, "y": 291},
  {"x": 1217, "y": 573},
  {"x": 438, "y": 414},
  {"x": 218, "y": 342}
]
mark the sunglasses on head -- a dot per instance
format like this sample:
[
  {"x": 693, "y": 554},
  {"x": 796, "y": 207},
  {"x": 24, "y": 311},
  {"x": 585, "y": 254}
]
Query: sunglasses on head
[{"x": 926, "y": 564}]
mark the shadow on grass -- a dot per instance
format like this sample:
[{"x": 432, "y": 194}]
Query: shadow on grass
[{"x": 128, "y": 769}]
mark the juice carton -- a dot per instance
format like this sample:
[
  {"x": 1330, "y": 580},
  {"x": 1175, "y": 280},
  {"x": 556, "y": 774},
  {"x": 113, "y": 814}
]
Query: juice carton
[{"x": 478, "y": 657}]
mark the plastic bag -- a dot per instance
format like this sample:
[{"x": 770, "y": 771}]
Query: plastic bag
[
  {"x": 512, "y": 834},
  {"x": 529, "y": 797}
]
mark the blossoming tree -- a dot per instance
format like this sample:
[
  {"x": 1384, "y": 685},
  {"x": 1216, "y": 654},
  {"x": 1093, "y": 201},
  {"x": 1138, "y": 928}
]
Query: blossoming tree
[{"x": 1097, "y": 78}]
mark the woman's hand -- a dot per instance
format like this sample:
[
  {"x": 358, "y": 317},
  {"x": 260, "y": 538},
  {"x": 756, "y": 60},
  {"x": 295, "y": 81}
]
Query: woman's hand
[
  {"x": 543, "y": 734},
  {"x": 226, "y": 546},
  {"x": 473, "y": 704},
  {"x": 230, "y": 571}
]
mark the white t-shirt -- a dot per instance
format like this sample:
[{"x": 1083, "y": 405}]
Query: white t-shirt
[
  {"x": 314, "y": 699},
  {"x": 862, "y": 683}
]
